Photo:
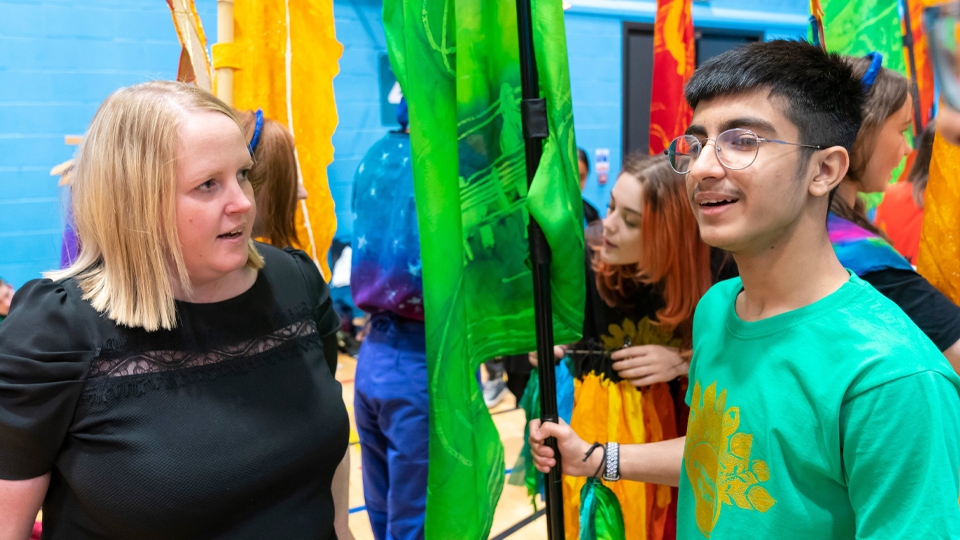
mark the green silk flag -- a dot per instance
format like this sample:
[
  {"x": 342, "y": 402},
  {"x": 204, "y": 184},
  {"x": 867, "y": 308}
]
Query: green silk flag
[
  {"x": 458, "y": 66},
  {"x": 859, "y": 27}
]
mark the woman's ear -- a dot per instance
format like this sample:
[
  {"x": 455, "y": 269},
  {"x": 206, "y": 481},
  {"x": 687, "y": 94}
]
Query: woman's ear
[{"x": 832, "y": 164}]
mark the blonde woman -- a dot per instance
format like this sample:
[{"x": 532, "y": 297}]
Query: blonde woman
[{"x": 175, "y": 381}]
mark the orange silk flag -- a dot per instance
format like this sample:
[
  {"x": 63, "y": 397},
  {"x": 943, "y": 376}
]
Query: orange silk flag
[
  {"x": 674, "y": 59},
  {"x": 939, "y": 259},
  {"x": 285, "y": 55}
]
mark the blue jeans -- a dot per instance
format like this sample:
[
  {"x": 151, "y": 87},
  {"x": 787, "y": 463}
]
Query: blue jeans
[{"x": 391, "y": 411}]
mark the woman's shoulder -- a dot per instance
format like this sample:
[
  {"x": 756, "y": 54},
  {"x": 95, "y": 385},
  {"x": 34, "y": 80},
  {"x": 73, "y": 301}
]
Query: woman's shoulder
[
  {"x": 282, "y": 262},
  {"x": 293, "y": 271},
  {"x": 44, "y": 297},
  {"x": 47, "y": 317}
]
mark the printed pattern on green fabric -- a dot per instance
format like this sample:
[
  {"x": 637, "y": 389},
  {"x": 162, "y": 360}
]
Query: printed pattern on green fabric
[
  {"x": 858, "y": 27},
  {"x": 793, "y": 418},
  {"x": 458, "y": 64}
]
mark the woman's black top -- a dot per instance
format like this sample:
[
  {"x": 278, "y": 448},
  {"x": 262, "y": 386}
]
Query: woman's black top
[{"x": 229, "y": 426}]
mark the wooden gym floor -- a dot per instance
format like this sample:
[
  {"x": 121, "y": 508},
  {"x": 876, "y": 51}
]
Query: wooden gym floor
[{"x": 512, "y": 518}]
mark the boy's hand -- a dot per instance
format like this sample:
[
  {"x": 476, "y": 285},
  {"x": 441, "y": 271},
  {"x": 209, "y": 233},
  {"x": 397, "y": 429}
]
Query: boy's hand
[{"x": 572, "y": 449}]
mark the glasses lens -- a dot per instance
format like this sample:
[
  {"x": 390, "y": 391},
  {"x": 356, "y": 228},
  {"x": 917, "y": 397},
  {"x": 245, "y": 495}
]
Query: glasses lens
[
  {"x": 942, "y": 25},
  {"x": 683, "y": 151},
  {"x": 737, "y": 148}
]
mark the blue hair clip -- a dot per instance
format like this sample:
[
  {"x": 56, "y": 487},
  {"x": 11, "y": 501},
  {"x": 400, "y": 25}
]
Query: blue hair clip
[
  {"x": 256, "y": 131},
  {"x": 876, "y": 59}
]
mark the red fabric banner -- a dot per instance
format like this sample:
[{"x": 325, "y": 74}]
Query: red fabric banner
[
  {"x": 922, "y": 58},
  {"x": 674, "y": 59}
]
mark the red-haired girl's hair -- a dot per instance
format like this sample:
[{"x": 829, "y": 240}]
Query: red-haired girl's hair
[{"x": 672, "y": 255}]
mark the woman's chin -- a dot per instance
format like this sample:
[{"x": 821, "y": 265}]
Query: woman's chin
[
  {"x": 613, "y": 258},
  {"x": 606, "y": 256}
]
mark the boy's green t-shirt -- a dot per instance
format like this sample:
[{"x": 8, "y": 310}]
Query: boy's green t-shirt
[{"x": 836, "y": 420}]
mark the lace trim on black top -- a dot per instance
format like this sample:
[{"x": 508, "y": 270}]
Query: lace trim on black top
[
  {"x": 160, "y": 361},
  {"x": 137, "y": 374}
]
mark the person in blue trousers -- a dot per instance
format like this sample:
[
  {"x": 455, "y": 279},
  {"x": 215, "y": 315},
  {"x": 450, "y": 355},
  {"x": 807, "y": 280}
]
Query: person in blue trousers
[{"x": 390, "y": 401}]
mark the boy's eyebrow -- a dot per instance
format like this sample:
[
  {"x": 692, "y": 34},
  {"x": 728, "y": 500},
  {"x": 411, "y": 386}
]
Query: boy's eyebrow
[
  {"x": 749, "y": 122},
  {"x": 745, "y": 122}
]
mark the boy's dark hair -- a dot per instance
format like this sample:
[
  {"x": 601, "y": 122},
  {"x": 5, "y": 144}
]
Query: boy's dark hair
[{"x": 819, "y": 91}]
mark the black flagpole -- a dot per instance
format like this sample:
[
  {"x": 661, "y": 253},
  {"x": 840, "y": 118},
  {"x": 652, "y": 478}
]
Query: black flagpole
[
  {"x": 534, "y": 112},
  {"x": 918, "y": 115}
]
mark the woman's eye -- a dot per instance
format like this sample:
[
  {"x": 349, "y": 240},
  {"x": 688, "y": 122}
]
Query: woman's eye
[
  {"x": 243, "y": 175},
  {"x": 206, "y": 186}
]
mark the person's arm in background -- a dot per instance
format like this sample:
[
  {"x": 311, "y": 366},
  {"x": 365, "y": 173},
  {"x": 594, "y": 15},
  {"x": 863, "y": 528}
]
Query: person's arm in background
[
  {"x": 20, "y": 501},
  {"x": 559, "y": 351},
  {"x": 935, "y": 314},
  {"x": 331, "y": 352},
  {"x": 643, "y": 365},
  {"x": 341, "y": 499},
  {"x": 953, "y": 356},
  {"x": 654, "y": 463}
]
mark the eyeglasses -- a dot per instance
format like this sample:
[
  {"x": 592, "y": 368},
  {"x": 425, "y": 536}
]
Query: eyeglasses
[
  {"x": 943, "y": 28},
  {"x": 735, "y": 148}
]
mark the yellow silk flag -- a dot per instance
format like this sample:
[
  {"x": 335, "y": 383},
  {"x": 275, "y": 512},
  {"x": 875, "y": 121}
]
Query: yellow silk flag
[
  {"x": 284, "y": 56},
  {"x": 939, "y": 259}
]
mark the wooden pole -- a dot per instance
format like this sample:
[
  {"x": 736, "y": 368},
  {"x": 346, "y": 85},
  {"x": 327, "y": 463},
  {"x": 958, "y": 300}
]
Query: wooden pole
[{"x": 224, "y": 88}]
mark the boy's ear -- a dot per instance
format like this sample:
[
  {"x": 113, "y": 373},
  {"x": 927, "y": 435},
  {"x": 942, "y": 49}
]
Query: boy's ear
[{"x": 832, "y": 164}]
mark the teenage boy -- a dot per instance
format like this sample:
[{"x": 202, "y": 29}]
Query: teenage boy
[{"x": 817, "y": 409}]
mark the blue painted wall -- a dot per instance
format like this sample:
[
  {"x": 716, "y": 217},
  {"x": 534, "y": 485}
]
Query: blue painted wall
[
  {"x": 60, "y": 58},
  {"x": 357, "y": 90}
]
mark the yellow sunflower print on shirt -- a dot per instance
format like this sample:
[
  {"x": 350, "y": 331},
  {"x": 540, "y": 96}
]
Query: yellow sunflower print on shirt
[
  {"x": 717, "y": 460},
  {"x": 644, "y": 332}
]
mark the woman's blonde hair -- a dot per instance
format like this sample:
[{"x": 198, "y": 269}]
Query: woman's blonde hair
[{"x": 124, "y": 204}]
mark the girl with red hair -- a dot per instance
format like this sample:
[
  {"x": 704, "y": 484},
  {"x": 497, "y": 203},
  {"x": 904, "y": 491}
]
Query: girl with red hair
[{"x": 645, "y": 278}]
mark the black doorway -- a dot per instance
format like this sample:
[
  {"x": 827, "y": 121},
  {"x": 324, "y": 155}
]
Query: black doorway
[{"x": 638, "y": 73}]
